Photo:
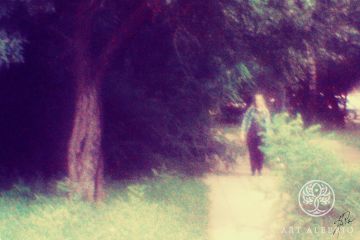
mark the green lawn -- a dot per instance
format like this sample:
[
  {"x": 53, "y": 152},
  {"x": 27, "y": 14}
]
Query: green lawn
[{"x": 166, "y": 208}]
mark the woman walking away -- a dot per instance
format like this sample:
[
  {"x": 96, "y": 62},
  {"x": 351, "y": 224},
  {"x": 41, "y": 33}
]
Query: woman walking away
[{"x": 256, "y": 121}]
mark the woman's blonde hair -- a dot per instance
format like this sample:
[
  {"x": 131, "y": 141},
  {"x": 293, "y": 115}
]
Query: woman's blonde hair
[{"x": 259, "y": 101}]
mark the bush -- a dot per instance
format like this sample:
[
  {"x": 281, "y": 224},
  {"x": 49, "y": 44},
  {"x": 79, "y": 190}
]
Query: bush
[{"x": 299, "y": 155}]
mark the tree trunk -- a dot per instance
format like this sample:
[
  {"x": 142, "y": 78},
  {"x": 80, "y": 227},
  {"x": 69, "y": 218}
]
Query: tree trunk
[
  {"x": 312, "y": 101},
  {"x": 85, "y": 158},
  {"x": 284, "y": 99}
]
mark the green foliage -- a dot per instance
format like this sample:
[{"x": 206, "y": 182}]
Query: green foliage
[
  {"x": 245, "y": 73},
  {"x": 11, "y": 41},
  {"x": 19, "y": 190},
  {"x": 166, "y": 119},
  {"x": 226, "y": 145},
  {"x": 299, "y": 41},
  {"x": 166, "y": 208},
  {"x": 299, "y": 155},
  {"x": 11, "y": 48},
  {"x": 7, "y": 7},
  {"x": 175, "y": 189}
]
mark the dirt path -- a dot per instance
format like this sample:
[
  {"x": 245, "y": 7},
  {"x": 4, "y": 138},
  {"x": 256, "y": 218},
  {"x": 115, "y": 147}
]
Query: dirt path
[{"x": 243, "y": 206}]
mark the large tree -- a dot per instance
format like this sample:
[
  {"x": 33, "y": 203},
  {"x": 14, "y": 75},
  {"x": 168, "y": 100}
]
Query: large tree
[
  {"x": 98, "y": 30},
  {"x": 101, "y": 33}
]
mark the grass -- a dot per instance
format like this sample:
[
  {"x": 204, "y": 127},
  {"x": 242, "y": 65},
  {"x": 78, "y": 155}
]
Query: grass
[{"x": 164, "y": 208}]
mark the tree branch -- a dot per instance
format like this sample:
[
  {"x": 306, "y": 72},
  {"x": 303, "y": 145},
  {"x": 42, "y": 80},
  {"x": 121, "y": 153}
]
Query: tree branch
[{"x": 123, "y": 33}]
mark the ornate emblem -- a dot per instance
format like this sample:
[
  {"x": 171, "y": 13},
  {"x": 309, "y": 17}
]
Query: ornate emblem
[{"x": 316, "y": 198}]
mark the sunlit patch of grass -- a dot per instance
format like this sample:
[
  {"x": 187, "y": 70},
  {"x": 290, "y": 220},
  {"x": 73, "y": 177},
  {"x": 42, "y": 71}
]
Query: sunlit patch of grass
[{"x": 166, "y": 208}]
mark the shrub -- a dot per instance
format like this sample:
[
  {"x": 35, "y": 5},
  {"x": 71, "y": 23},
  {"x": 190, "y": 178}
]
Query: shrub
[{"x": 299, "y": 155}]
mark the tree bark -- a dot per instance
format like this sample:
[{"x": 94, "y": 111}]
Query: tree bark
[
  {"x": 85, "y": 158},
  {"x": 312, "y": 101}
]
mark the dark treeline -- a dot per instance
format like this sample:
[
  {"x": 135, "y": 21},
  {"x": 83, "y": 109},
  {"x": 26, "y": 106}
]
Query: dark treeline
[{"x": 126, "y": 86}]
